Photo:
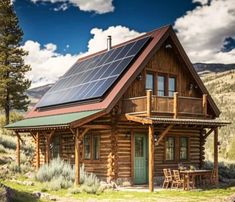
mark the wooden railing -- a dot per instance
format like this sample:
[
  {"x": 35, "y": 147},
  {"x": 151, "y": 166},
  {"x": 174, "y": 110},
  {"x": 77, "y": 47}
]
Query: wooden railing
[{"x": 176, "y": 105}]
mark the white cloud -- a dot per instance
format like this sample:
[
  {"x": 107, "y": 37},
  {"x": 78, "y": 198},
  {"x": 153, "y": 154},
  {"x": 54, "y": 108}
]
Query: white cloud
[
  {"x": 119, "y": 34},
  {"x": 48, "y": 65},
  {"x": 98, "y": 6},
  {"x": 202, "y": 2},
  {"x": 203, "y": 31}
]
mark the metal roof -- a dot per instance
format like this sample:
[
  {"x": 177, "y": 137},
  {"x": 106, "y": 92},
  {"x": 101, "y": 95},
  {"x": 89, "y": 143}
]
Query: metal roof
[
  {"x": 202, "y": 122},
  {"x": 50, "y": 121}
]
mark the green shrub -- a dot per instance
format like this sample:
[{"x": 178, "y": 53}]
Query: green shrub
[
  {"x": 8, "y": 141},
  {"x": 14, "y": 168},
  {"x": 74, "y": 190},
  {"x": 89, "y": 182},
  {"x": 2, "y": 149},
  {"x": 226, "y": 170},
  {"x": 57, "y": 173}
]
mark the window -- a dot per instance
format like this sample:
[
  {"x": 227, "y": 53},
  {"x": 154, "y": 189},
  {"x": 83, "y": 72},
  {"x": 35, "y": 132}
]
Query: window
[
  {"x": 161, "y": 85},
  {"x": 96, "y": 150},
  {"x": 171, "y": 86},
  {"x": 55, "y": 147},
  {"x": 149, "y": 81},
  {"x": 183, "y": 148},
  {"x": 91, "y": 147},
  {"x": 139, "y": 147},
  {"x": 87, "y": 147},
  {"x": 170, "y": 149}
]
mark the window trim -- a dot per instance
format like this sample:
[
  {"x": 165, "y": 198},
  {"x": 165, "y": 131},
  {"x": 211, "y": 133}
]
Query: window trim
[{"x": 92, "y": 148}]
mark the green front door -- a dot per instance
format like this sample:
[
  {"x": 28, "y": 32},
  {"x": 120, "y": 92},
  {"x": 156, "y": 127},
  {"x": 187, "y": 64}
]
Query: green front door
[{"x": 140, "y": 159}]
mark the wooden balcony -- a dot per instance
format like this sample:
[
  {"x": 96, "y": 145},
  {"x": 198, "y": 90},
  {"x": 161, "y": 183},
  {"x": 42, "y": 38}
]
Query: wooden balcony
[{"x": 176, "y": 106}]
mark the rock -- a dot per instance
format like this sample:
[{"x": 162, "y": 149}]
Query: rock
[{"x": 37, "y": 194}]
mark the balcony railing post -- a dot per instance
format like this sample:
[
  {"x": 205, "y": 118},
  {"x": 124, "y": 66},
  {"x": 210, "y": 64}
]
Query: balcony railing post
[
  {"x": 204, "y": 104},
  {"x": 175, "y": 105},
  {"x": 149, "y": 102}
]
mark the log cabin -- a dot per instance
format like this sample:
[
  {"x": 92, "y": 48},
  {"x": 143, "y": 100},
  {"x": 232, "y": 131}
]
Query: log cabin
[{"x": 126, "y": 112}]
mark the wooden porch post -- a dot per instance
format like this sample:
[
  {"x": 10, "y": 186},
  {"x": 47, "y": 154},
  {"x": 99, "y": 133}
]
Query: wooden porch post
[
  {"x": 37, "y": 151},
  {"x": 77, "y": 158},
  {"x": 18, "y": 149},
  {"x": 48, "y": 141},
  {"x": 149, "y": 102},
  {"x": 175, "y": 110},
  {"x": 216, "y": 156},
  {"x": 151, "y": 158},
  {"x": 204, "y": 104}
]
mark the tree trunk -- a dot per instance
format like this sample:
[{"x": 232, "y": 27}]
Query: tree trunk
[{"x": 7, "y": 110}]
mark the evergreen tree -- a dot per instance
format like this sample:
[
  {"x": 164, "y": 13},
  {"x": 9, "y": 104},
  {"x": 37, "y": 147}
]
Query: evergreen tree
[{"x": 13, "y": 83}]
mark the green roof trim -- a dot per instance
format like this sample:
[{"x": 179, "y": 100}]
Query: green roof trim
[{"x": 53, "y": 120}]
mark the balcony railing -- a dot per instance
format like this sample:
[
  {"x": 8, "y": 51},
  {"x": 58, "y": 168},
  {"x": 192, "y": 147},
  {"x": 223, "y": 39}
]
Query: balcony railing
[{"x": 176, "y": 105}]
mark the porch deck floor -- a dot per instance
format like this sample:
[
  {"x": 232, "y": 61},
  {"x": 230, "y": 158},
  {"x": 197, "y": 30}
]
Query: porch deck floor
[{"x": 140, "y": 188}]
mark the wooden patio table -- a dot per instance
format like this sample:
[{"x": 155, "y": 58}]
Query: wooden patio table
[{"x": 187, "y": 174}]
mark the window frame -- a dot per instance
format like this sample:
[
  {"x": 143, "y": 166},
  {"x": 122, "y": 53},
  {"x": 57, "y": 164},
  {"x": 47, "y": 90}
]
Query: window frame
[
  {"x": 187, "y": 147},
  {"x": 154, "y": 75},
  {"x": 168, "y": 80},
  {"x": 92, "y": 148},
  {"x": 59, "y": 143},
  {"x": 177, "y": 149},
  {"x": 174, "y": 155}
]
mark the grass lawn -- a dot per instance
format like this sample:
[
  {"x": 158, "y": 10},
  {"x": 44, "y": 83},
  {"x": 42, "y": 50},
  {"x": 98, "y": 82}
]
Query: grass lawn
[{"x": 24, "y": 194}]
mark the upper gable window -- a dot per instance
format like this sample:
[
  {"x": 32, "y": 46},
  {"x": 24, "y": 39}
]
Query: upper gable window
[
  {"x": 161, "y": 85},
  {"x": 171, "y": 86},
  {"x": 149, "y": 81}
]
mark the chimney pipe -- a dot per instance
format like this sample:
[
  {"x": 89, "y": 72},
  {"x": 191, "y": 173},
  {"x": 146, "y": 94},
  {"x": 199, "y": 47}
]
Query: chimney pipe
[{"x": 109, "y": 43}]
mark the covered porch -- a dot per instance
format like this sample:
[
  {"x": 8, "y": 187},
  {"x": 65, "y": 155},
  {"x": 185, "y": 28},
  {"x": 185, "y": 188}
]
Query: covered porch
[{"x": 158, "y": 129}]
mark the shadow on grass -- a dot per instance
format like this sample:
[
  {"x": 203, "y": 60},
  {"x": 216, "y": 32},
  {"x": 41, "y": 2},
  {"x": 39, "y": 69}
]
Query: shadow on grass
[{"x": 20, "y": 196}]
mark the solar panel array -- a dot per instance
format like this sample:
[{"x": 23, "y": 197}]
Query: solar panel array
[{"x": 92, "y": 77}]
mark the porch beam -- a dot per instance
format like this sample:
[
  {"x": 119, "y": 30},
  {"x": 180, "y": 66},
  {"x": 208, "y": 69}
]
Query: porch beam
[
  {"x": 216, "y": 156},
  {"x": 138, "y": 119},
  {"x": 208, "y": 133},
  {"x": 97, "y": 126},
  {"x": 151, "y": 158},
  {"x": 18, "y": 149},
  {"x": 162, "y": 135},
  {"x": 37, "y": 151}
]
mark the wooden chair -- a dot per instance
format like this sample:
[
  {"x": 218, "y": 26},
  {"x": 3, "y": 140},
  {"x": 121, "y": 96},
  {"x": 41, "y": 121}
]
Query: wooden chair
[
  {"x": 177, "y": 181},
  {"x": 168, "y": 178}
]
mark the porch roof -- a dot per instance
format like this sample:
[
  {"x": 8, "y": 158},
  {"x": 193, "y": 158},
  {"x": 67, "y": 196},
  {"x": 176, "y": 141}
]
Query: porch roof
[
  {"x": 61, "y": 120},
  {"x": 177, "y": 121},
  {"x": 201, "y": 122}
]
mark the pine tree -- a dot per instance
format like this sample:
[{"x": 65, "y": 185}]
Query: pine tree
[{"x": 13, "y": 83}]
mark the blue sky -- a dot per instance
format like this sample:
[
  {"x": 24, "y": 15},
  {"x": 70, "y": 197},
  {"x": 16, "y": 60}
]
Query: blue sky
[
  {"x": 58, "y": 32},
  {"x": 72, "y": 27}
]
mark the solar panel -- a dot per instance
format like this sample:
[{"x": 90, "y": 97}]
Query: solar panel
[{"x": 91, "y": 78}]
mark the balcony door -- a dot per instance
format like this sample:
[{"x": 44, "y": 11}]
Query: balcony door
[{"x": 140, "y": 159}]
